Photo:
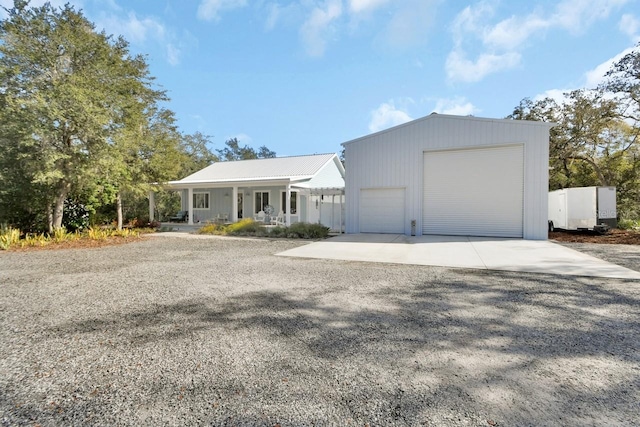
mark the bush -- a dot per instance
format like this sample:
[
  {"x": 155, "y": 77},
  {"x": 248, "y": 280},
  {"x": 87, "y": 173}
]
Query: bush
[
  {"x": 246, "y": 227},
  {"x": 217, "y": 229},
  {"x": 8, "y": 236},
  {"x": 249, "y": 227},
  {"x": 303, "y": 230},
  {"x": 629, "y": 224}
]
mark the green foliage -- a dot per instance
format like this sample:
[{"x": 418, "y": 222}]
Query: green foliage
[
  {"x": 628, "y": 224},
  {"x": 246, "y": 227},
  {"x": 78, "y": 117},
  {"x": 76, "y": 216},
  {"x": 216, "y": 229},
  {"x": 8, "y": 237},
  {"x": 302, "y": 230},
  {"x": 233, "y": 151},
  {"x": 597, "y": 138},
  {"x": 249, "y": 227}
]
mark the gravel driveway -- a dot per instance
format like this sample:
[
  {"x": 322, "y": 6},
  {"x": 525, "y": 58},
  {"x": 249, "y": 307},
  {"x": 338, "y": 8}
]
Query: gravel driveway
[{"x": 218, "y": 331}]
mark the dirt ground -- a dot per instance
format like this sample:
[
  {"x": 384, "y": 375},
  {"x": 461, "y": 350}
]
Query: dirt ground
[{"x": 615, "y": 236}]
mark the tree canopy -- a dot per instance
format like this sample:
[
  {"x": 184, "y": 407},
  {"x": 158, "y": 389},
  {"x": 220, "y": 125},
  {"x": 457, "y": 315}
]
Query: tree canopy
[
  {"x": 73, "y": 101},
  {"x": 233, "y": 151},
  {"x": 595, "y": 141},
  {"x": 82, "y": 124}
]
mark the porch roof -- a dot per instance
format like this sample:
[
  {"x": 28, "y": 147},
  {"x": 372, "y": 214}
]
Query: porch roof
[{"x": 295, "y": 169}]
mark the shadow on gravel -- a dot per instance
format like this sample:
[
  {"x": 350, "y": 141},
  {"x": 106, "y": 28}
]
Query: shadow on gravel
[{"x": 553, "y": 347}]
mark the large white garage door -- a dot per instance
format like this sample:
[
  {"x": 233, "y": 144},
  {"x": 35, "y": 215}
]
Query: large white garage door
[
  {"x": 474, "y": 192},
  {"x": 382, "y": 210}
]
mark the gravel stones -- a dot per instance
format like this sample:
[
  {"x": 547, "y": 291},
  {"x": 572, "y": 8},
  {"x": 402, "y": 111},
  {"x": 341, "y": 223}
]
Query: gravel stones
[{"x": 219, "y": 331}]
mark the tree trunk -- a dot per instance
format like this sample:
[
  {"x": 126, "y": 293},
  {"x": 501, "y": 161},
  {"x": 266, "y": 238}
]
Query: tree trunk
[
  {"x": 58, "y": 207},
  {"x": 119, "y": 210},
  {"x": 49, "y": 217}
]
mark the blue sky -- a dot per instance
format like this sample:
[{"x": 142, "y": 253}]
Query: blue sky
[{"x": 303, "y": 76}]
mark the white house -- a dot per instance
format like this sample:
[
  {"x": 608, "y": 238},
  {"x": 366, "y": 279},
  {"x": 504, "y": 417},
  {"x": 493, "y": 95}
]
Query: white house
[
  {"x": 305, "y": 188},
  {"x": 450, "y": 175}
]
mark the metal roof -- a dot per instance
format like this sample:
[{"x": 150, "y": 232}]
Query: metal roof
[
  {"x": 295, "y": 168},
  {"x": 437, "y": 116}
]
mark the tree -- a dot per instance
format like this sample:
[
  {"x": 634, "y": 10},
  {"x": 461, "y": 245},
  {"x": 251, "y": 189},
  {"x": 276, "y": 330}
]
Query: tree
[
  {"x": 199, "y": 156},
  {"x": 233, "y": 151},
  {"x": 595, "y": 141},
  {"x": 71, "y": 96}
]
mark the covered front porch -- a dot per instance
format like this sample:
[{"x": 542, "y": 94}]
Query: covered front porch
[{"x": 209, "y": 202}]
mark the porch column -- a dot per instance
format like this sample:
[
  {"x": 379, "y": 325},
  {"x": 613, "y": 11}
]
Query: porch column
[
  {"x": 234, "y": 204},
  {"x": 341, "y": 197},
  {"x": 288, "y": 205},
  {"x": 190, "y": 205},
  {"x": 152, "y": 205},
  {"x": 333, "y": 208},
  {"x": 320, "y": 208}
]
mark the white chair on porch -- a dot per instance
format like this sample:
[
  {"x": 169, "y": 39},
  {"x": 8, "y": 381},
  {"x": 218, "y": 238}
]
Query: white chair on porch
[
  {"x": 278, "y": 220},
  {"x": 259, "y": 217}
]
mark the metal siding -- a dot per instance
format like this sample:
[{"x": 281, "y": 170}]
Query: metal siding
[
  {"x": 382, "y": 210},
  {"x": 394, "y": 158},
  {"x": 466, "y": 193}
]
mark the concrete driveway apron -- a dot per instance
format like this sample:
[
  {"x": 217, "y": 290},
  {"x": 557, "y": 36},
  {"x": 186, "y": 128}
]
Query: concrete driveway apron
[{"x": 534, "y": 256}]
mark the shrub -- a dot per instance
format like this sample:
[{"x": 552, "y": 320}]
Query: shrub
[
  {"x": 303, "y": 230},
  {"x": 61, "y": 235},
  {"x": 218, "y": 229},
  {"x": 249, "y": 227},
  {"x": 8, "y": 236},
  {"x": 33, "y": 239},
  {"x": 629, "y": 224},
  {"x": 246, "y": 227},
  {"x": 278, "y": 232}
]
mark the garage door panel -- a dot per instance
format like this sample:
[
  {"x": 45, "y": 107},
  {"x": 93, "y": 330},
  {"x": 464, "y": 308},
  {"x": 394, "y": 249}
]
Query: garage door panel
[
  {"x": 382, "y": 210},
  {"x": 474, "y": 192}
]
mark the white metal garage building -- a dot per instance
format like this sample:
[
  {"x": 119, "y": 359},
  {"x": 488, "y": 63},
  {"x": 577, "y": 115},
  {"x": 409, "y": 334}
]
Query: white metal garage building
[{"x": 450, "y": 175}]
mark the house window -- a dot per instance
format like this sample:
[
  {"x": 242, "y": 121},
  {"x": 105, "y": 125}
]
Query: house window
[
  {"x": 294, "y": 202},
  {"x": 262, "y": 200},
  {"x": 200, "y": 200}
]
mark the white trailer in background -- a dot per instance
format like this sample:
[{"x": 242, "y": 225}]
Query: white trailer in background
[{"x": 583, "y": 208}]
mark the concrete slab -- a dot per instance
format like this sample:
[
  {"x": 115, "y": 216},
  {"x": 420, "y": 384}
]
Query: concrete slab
[{"x": 463, "y": 252}]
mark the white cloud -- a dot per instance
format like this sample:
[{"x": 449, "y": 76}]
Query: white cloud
[
  {"x": 318, "y": 27},
  {"x": 273, "y": 14},
  {"x": 555, "y": 94},
  {"x": 592, "y": 79},
  {"x": 132, "y": 28},
  {"x": 513, "y": 32},
  {"x": 459, "y": 68},
  {"x": 359, "y": 6},
  {"x": 143, "y": 31},
  {"x": 410, "y": 24},
  {"x": 596, "y": 76},
  {"x": 276, "y": 14},
  {"x": 630, "y": 25},
  {"x": 209, "y": 10},
  {"x": 458, "y": 106},
  {"x": 173, "y": 54},
  {"x": 577, "y": 15},
  {"x": 387, "y": 115},
  {"x": 470, "y": 21},
  {"x": 502, "y": 42}
]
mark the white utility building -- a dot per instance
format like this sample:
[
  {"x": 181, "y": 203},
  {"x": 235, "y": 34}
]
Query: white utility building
[{"x": 450, "y": 175}]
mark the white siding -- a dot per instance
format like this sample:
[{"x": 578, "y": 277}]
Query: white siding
[
  {"x": 394, "y": 158},
  {"x": 382, "y": 210},
  {"x": 466, "y": 193}
]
